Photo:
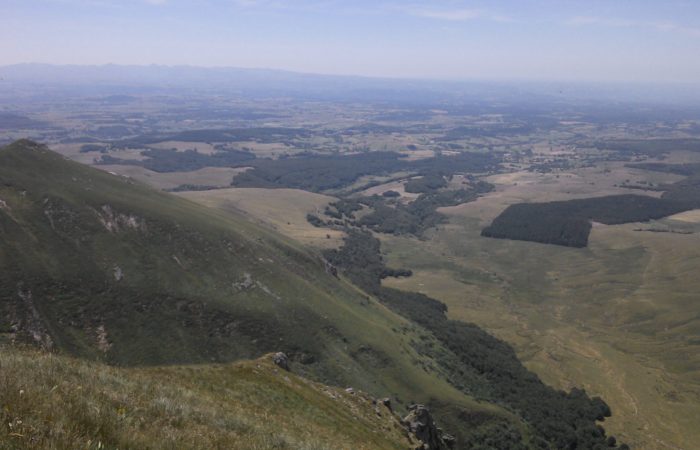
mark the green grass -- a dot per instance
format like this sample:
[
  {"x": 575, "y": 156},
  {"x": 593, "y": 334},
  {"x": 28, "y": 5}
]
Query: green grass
[
  {"x": 196, "y": 286},
  {"x": 617, "y": 318},
  {"x": 55, "y": 402}
]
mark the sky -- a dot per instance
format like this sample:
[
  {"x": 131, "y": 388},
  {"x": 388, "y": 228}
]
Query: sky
[{"x": 567, "y": 40}]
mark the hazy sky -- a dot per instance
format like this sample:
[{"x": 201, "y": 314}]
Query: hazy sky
[{"x": 634, "y": 40}]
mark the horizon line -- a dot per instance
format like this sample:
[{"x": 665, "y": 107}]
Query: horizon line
[{"x": 499, "y": 80}]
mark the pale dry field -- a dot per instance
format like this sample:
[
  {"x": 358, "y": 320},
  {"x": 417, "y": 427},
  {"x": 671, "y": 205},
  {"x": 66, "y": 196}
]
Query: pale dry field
[
  {"x": 208, "y": 176},
  {"x": 415, "y": 155},
  {"x": 397, "y": 186},
  {"x": 688, "y": 216},
  {"x": 384, "y": 179},
  {"x": 202, "y": 147},
  {"x": 284, "y": 210},
  {"x": 72, "y": 151},
  {"x": 266, "y": 150},
  {"x": 620, "y": 318}
]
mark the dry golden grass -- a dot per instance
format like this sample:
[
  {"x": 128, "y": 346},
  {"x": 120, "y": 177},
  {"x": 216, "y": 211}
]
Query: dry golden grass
[
  {"x": 284, "y": 210},
  {"x": 618, "y": 318},
  {"x": 208, "y": 176},
  {"x": 268, "y": 150},
  {"x": 397, "y": 186},
  {"x": 202, "y": 147},
  {"x": 53, "y": 402},
  {"x": 688, "y": 216}
]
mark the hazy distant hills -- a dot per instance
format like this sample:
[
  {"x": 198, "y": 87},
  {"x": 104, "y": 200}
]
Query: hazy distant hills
[
  {"x": 257, "y": 82},
  {"x": 271, "y": 83}
]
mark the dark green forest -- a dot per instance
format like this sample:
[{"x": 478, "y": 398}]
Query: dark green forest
[
  {"x": 649, "y": 147},
  {"x": 258, "y": 134},
  {"x": 428, "y": 183},
  {"x": 568, "y": 223},
  {"x": 161, "y": 160},
  {"x": 480, "y": 364},
  {"x": 320, "y": 173},
  {"x": 390, "y": 216},
  {"x": 317, "y": 172},
  {"x": 419, "y": 215}
]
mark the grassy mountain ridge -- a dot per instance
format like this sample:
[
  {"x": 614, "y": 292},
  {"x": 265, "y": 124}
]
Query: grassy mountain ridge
[
  {"x": 101, "y": 267},
  {"x": 109, "y": 238},
  {"x": 79, "y": 245},
  {"x": 251, "y": 404}
]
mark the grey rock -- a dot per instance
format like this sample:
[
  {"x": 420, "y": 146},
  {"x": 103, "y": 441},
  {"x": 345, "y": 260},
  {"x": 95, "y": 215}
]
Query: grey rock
[
  {"x": 330, "y": 269},
  {"x": 118, "y": 273},
  {"x": 386, "y": 402},
  {"x": 420, "y": 423},
  {"x": 281, "y": 360},
  {"x": 449, "y": 440}
]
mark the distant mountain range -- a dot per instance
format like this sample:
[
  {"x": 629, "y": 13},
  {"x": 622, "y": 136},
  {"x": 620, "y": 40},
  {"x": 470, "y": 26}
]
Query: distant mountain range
[{"x": 268, "y": 82}]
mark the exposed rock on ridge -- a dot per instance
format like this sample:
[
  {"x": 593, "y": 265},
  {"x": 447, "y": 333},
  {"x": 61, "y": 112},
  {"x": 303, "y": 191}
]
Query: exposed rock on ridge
[{"x": 420, "y": 423}]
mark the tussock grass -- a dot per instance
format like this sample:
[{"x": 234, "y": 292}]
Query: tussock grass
[{"x": 55, "y": 402}]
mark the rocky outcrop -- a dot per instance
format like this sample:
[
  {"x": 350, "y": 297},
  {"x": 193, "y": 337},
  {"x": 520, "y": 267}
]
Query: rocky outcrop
[
  {"x": 6, "y": 209},
  {"x": 330, "y": 268},
  {"x": 27, "y": 322},
  {"x": 245, "y": 284},
  {"x": 115, "y": 222},
  {"x": 118, "y": 273},
  {"x": 420, "y": 423},
  {"x": 387, "y": 403},
  {"x": 281, "y": 360},
  {"x": 102, "y": 341}
]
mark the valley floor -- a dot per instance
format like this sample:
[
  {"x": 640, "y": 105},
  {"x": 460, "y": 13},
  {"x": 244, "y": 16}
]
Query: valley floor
[{"x": 617, "y": 318}]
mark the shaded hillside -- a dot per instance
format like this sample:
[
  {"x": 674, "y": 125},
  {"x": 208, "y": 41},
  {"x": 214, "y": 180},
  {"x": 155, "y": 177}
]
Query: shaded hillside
[
  {"x": 108, "y": 269},
  {"x": 105, "y": 268},
  {"x": 568, "y": 222},
  {"x": 100, "y": 267}
]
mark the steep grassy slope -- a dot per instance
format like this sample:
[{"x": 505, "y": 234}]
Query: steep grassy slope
[
  {"x": 118, "y": 271},
  {"x": 285, "y": 210},
  {"x": 251, "y": 405},
  {"x": 479, "y": 363},
  {"x": 100, "y": 267}
]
